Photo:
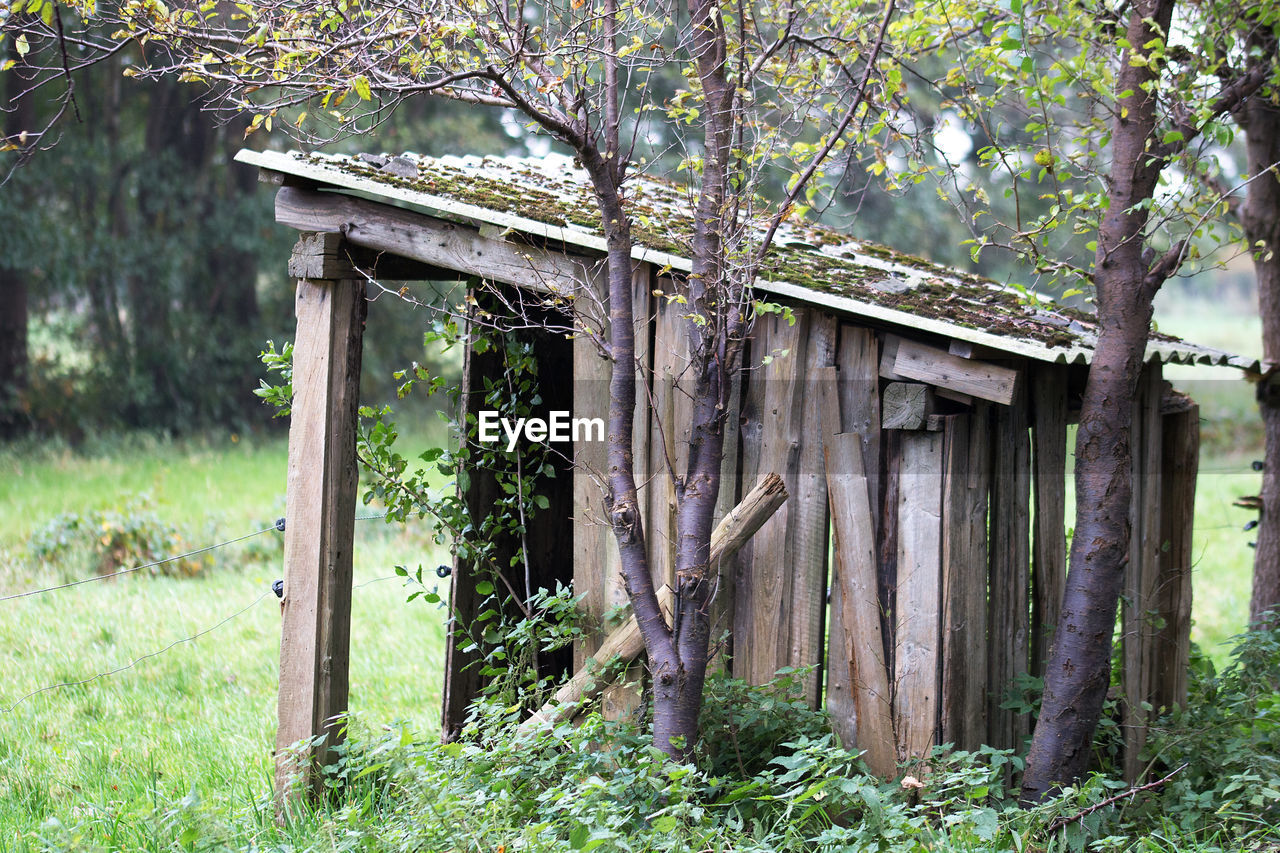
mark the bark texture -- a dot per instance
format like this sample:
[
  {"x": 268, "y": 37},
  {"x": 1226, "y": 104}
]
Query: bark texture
[{"x": 1260, "y": 216}]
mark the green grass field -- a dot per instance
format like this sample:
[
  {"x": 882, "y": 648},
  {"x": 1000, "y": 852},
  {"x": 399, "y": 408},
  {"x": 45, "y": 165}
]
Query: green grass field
[{"x": 199, "y": 719}]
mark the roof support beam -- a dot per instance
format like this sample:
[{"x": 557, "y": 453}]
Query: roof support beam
[{"x": 431, "y": 241}]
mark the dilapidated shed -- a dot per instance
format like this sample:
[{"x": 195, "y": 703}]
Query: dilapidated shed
[{"x": 918, "y": 417}]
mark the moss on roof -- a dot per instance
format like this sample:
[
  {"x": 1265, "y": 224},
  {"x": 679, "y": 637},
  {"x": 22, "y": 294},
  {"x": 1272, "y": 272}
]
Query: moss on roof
[{"x": 804, "y": 254}]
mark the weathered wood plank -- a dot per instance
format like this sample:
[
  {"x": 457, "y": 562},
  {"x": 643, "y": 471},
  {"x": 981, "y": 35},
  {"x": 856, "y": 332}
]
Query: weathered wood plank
[
  {"x": 1049, "y": 560},
  {"x": 850, "y": 403},
  {"x": 1008, "y": 605},
  {"x": 1180, "y": 462},
  {"x": 906, "y": 405},
  {"x": 429, "y": 240},
  {"x": 963, "y": 718},
  {"x": 967, "y": 376},
  {"x": 857, "y": 357},
  {"x": 917, "y": 635},
  {"x": 771, "y": 423},
  {"x": 1142, "y": 572},
  {"x": 732, "y": 485},
  {"x": 859, "y": 641},
  {"x": 321, "y": 500},
  {"x": 809, "y": 541}
]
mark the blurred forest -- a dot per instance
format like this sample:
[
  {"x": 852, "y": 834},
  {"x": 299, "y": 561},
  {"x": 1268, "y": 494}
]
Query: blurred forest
[{"x": 141, "y": 271}]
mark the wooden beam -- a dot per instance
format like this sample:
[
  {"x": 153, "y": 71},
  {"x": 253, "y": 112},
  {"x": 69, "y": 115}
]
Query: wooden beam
[
  {"x": 320, "y": 513},
  {"x": 431, "y": 241},
  {"x": 860, "y": 641},
  {"x": 810, "y": 538},
  {"x": 917, "y": 637},
  {"x": 966, "y": 376},
  {"x": 850, "y": 403},
  {"x": 906, "y": 405},
  {"x": 1049, "y": 558}
]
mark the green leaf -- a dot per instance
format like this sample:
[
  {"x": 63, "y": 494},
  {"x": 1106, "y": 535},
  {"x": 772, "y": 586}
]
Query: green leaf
[
  {"x": 361, "y": 85},
  {"x": 484, "y": 588}
]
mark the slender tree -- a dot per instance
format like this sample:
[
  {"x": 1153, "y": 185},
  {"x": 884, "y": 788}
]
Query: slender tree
[{"x": 1118, "y": 109}]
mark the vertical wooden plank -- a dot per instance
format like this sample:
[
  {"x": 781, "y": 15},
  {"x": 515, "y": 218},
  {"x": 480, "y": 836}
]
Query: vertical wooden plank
[
  {"x": 771, "y": 421},
  {"x": 856, "y": 398},
  {"x": 1142, "y": 570},
  {"x": 887, "y": 537},
  {"x": 917, "y": 633},
  {"x": 1049, "y": 559},
  {"x": 1008, "y": 606},
  {"x": 858, "y": 360},
  {"x": 593, "y": 550},
  {"x": 859, "y": 641},
  {"x": 321, "y": 500},
  {"x": 964, "y": 580},
  {"x": 1180, "y": 462},
  {"x": 809, "y": 538}
]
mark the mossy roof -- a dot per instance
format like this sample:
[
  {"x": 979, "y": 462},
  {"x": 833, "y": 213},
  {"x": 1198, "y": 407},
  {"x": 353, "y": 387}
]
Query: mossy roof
[{"x": 550, "y": 198}]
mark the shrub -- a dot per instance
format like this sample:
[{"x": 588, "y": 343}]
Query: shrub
[{"x": 107, "y": 541}]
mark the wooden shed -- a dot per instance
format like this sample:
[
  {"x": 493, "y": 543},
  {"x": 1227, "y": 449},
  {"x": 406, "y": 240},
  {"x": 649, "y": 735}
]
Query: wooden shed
[{"x": 918, "y": 416}]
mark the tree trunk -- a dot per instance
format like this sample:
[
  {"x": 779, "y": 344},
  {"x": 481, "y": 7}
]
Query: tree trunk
[
  {"x": 1261, "y": 219},
  {"x": 1078, "y": 672},
  {"x": 14, "y": 362}
]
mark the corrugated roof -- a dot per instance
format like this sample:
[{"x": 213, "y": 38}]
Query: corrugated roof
[{"x": 549, "y": 197}]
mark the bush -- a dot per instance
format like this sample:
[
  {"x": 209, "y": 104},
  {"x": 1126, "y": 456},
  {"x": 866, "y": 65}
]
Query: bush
[{"x": 106, "y": 541}]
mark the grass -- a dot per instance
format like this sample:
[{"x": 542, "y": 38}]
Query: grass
[{"x": 199, "y": 719}]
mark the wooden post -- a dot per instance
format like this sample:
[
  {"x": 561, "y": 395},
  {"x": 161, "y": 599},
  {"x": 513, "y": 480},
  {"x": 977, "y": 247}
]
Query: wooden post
[
  {"x": 859, "y": 642},
  {"x": 320, "y": 515}
]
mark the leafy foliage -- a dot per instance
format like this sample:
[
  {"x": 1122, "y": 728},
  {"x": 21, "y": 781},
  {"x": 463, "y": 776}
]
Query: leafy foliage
[{"x": 108, "y": 540}]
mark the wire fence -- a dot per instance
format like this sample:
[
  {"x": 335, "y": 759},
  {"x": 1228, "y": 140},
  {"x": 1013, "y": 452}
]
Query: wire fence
[{"x": 279, "y": 526}]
